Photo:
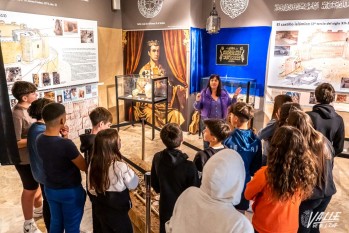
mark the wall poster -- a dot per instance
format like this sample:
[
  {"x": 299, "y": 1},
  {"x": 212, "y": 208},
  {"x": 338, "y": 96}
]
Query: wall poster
[
  {"x": 51, "y": 52},
  {"x": 232, "y": 54},
  {"x": 304, "y": 53},
  {"x": 59, "y": 55}
]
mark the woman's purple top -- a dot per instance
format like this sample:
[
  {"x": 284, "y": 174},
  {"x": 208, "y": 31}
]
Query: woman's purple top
[{"x": 209, "y": 108}]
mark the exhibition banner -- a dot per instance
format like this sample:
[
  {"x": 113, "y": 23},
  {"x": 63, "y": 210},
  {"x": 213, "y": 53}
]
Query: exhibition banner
[
  {"x": 51, "y": 52},
  {"x": 59, "y": 55},
  {"x": 163, "y": 52},
  {"x": 304, "y": 53}
]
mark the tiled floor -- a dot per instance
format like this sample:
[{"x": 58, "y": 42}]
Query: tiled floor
[{"x": 11, "y": 219}]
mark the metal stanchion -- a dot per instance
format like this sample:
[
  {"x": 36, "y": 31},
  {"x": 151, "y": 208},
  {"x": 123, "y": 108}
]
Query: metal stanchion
[
  {"x": 143, "y": 138},
  {"x": 147, "y": 201}
]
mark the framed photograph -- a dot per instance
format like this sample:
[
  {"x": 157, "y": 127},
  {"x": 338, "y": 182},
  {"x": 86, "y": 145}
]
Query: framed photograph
[{"x": 46, "y": 80}]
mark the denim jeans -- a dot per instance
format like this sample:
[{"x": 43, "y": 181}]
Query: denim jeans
[{"x": 67, "y": 208}]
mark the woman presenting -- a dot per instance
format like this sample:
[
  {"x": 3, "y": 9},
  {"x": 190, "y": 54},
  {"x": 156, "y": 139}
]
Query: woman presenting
[{"x": 213, "y": 101}]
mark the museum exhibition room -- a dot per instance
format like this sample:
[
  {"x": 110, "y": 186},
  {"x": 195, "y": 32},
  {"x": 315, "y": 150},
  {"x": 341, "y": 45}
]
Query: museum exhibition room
[{"x": 112, "y": 111}]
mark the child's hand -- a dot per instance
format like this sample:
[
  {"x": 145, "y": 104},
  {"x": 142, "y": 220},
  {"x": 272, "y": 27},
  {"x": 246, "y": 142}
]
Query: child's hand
[{"x": 64, "y": 131}]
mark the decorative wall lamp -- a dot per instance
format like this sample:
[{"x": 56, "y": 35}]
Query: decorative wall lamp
[{"x": 213, "y": 24}]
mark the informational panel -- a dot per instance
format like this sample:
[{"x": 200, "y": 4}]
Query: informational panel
[
  {"x": 51, "y": 52},
  {"x": 304, "y": 53},
  {"x": 232, "y": 54},
  {"x": 59, "y": 55}
]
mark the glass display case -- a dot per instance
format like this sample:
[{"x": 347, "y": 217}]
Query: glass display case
[
  {"x": 139, "y": 90},
  {"x": 248, "y": 87}
]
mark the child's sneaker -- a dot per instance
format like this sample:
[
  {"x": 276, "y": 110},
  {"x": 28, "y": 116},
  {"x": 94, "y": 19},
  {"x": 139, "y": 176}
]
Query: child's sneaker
[
  {"x": 37, "y": 213},
  {"x": 30, "y": 227}
]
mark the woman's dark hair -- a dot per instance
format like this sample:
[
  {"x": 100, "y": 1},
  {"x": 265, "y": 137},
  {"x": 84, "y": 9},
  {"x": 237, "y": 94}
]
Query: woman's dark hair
[
  {"x": 325, "y": 93},
  {"x": 35, "y": 109},
  {"x": 171, "y": 135},
  {"x": 279, "y": 100},
  {"x": 315, "y": 141},
  {"x": 242, "y": 110},
  {"x": 285, "y": 110},
  {"x": 106, "y": 151},
  {"x": 219, "y": 88},
  {"x": 218, "y": 128},
  {"x": 291, "y": 168}
]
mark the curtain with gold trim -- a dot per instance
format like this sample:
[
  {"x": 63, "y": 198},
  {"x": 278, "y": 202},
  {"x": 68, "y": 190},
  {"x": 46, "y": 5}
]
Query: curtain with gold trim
[
  {"x": 133, "y": 50},
  {"x": 176, "y": 56}
]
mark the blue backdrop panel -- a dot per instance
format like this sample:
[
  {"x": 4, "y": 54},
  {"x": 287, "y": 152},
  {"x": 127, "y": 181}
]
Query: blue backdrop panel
[
  {"x": 256, "y": 37},
  {"x": 198, "y": 64}
]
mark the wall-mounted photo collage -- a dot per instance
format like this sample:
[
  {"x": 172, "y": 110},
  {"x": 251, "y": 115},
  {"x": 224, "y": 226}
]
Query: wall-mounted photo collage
[
  {"x": 67, "y": 94},
  {"x": 308, "y": 99}
]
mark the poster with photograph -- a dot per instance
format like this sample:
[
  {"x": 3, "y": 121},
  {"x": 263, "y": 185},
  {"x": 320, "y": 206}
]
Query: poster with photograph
[
  {"x": 51, "y": 95},
  {"x": 56, "y": 78},
  {"x": 36, "y": 80},
  {"x": 46, "y": 80},
  {"x": 312, "y": 98},
  {"x": 341, "y": 98},
  {"x": 81, "y": 92},
  {"x": 13, "y": 74},
  {"x": 67, "y": 95},
  {"x": 304, "y": 53},
  {"x": 13, "y": 102},
  {"x": 49, "y": 51},
  {"x": 59, "y": 96},
  {"x": 294, "y": 95}
]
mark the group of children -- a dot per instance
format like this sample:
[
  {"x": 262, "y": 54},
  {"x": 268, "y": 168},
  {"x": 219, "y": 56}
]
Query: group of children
[
  {"x": 209, "y": 194},
  {"x": 294, "y": 182},
  {"x": 51, "y": 160}
]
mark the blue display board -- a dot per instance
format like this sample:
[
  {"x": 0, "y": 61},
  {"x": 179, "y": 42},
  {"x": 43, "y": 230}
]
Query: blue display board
[{"x": 257, "y": 38}]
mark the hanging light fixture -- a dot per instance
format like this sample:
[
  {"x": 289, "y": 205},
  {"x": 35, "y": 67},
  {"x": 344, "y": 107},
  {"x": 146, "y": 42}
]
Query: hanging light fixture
[{"x": 213, "y": 24}]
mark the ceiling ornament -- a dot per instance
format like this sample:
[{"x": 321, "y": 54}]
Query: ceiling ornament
[
  {"x": 150, "y": 8},
  {"x": 233, "y": 8}
]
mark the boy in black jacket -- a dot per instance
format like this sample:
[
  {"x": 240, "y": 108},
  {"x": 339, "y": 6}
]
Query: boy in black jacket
[
  {"x": 216, "y": 130},
  {"x": 171, "y": 172},
  {"x": 325, "y": 118},
  {"x": 101, "y": 119}
]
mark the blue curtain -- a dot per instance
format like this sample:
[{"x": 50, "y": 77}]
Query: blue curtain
[{"x": 197, "y": 58}]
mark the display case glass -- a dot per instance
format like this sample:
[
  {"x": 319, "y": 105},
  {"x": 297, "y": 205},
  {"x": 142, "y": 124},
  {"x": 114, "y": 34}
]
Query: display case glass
[
  {"x": 248, "y": 87},
  {"x": 141, "y": 88},
  {"x": 139, "y": 92}
]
